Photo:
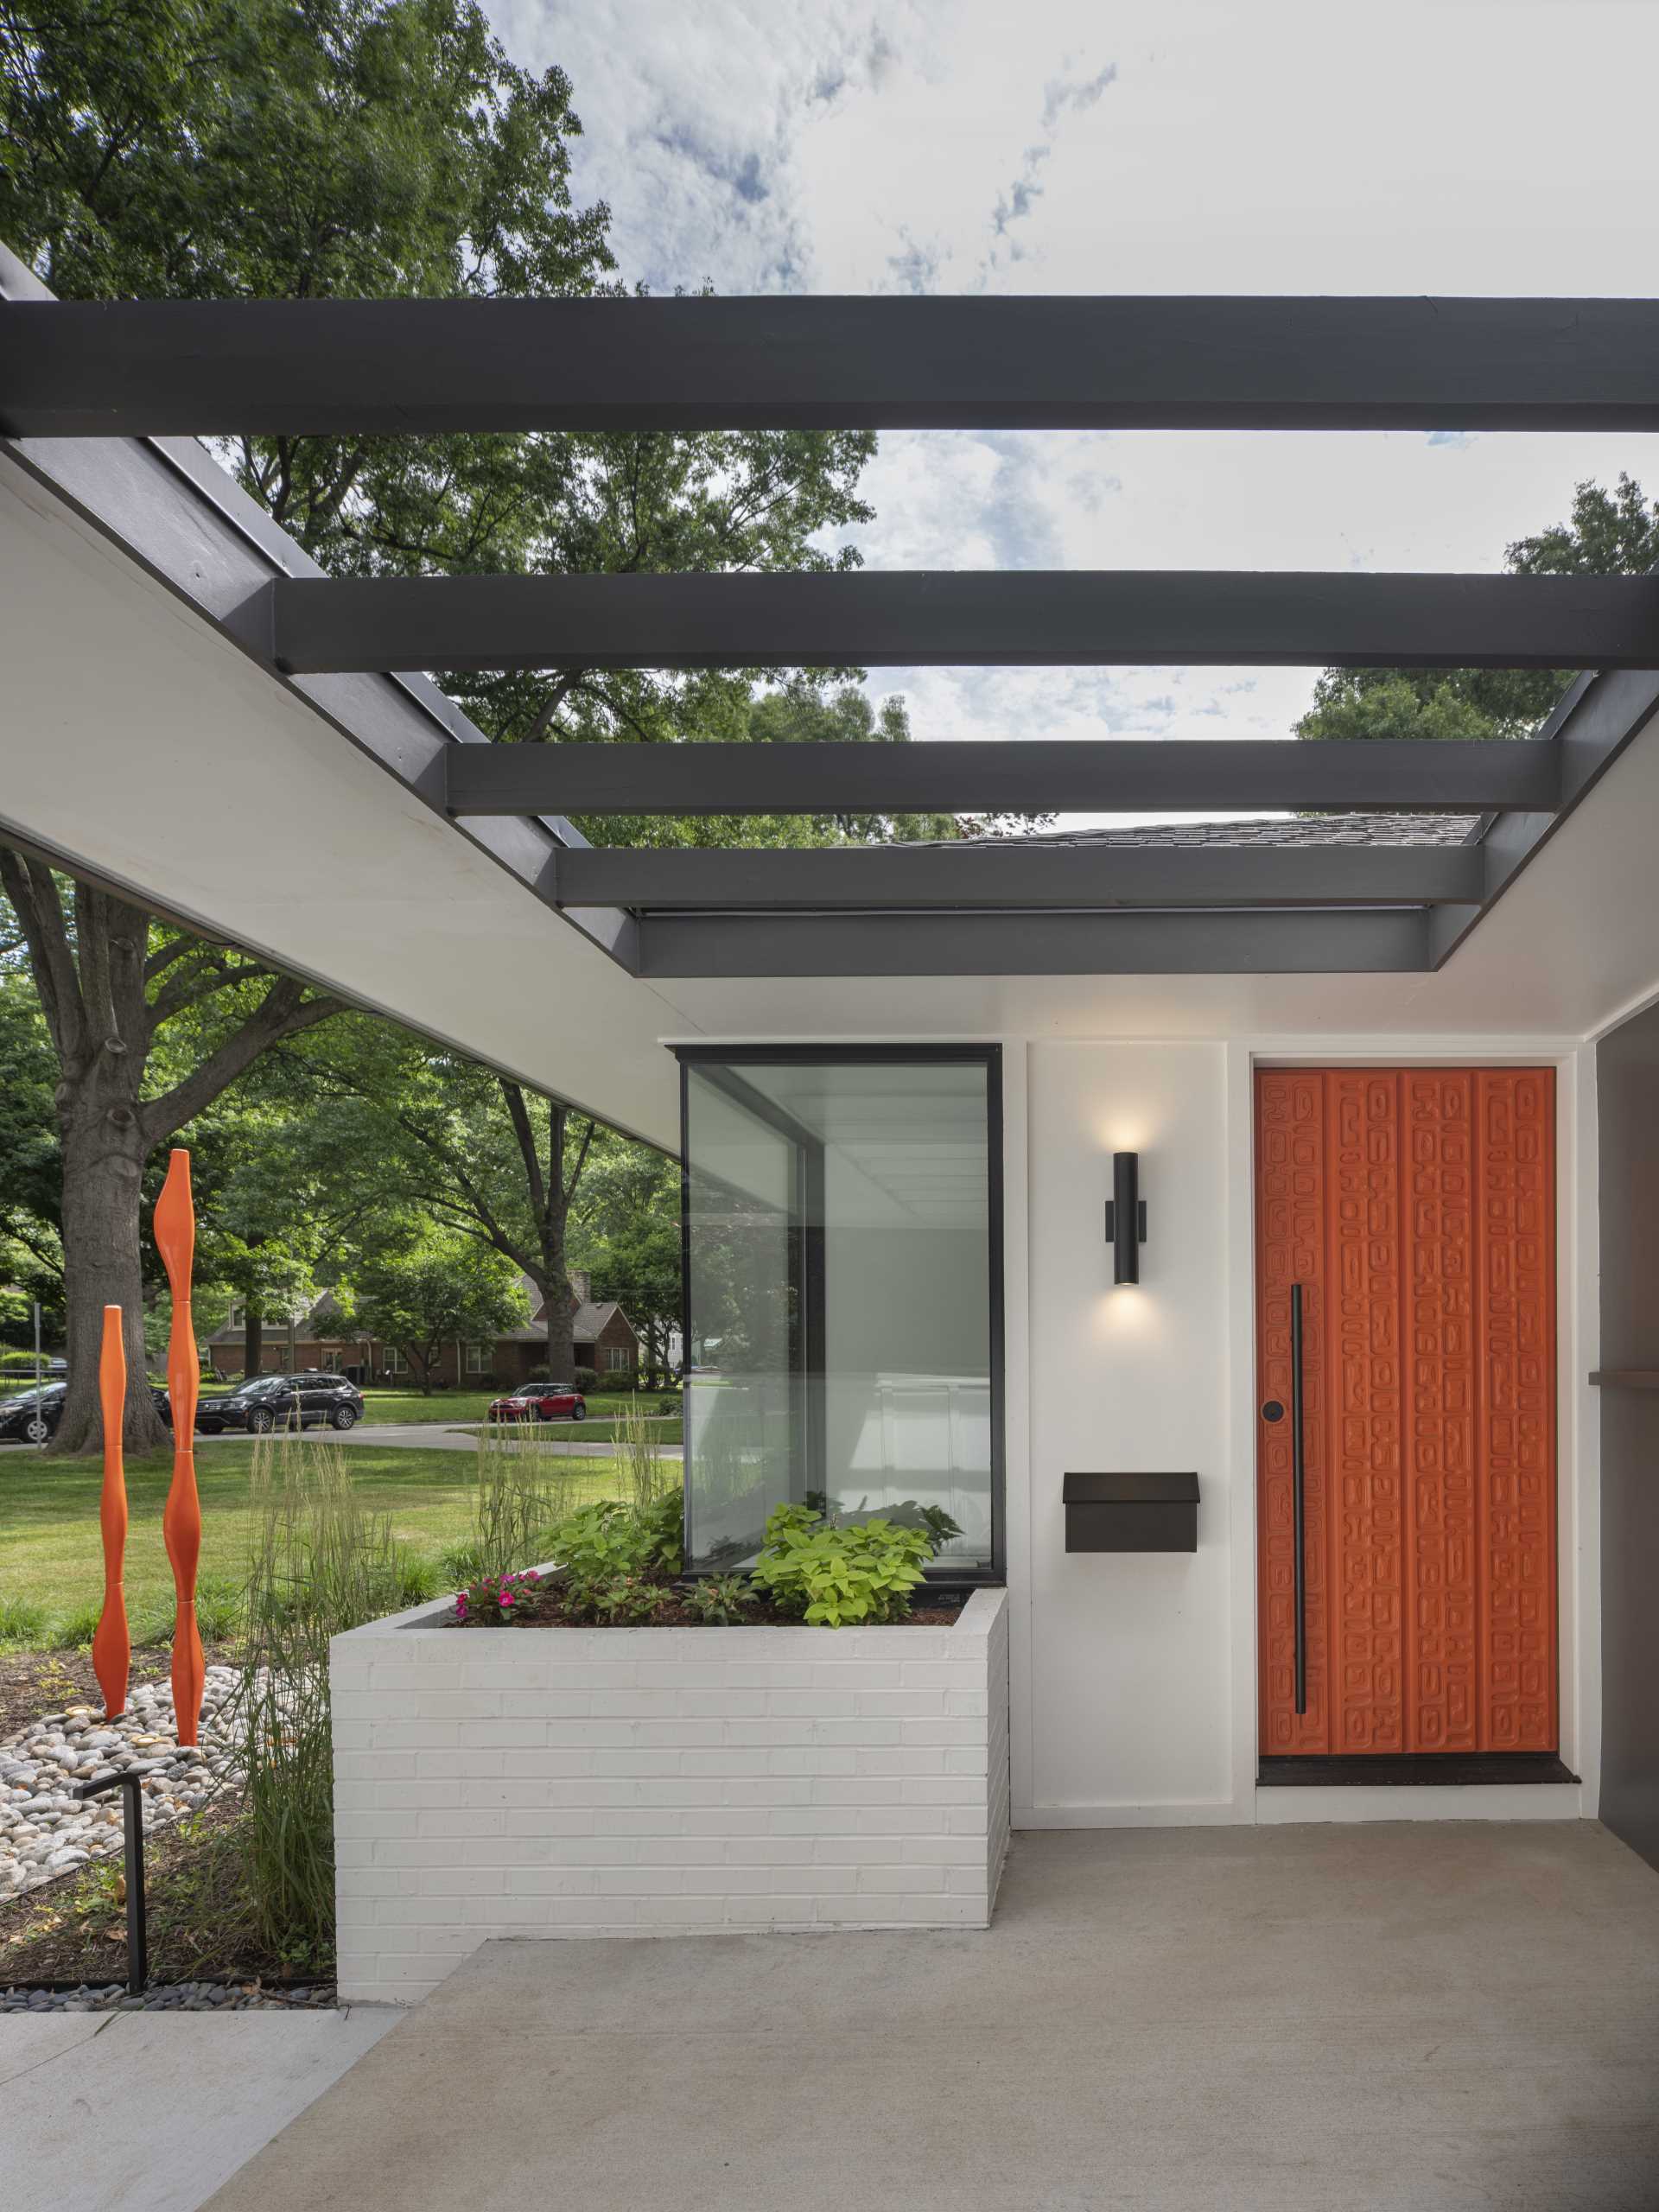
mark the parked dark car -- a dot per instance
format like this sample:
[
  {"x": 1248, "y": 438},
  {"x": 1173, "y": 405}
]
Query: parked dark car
[
  {"x": 540, "y": 1402},
  {"x": 32, "y": 1414},
  {"x": 282, "y": 1401}
]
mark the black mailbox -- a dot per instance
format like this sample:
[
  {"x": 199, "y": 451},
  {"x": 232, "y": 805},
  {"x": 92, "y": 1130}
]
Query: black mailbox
[{"x": 1131, "y": 1513}]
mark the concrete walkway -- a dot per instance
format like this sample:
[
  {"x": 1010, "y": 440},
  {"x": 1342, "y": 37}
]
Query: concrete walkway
[
  {"x": 1402, "y": 2018},
  {"x": 149, "y": 2112}
]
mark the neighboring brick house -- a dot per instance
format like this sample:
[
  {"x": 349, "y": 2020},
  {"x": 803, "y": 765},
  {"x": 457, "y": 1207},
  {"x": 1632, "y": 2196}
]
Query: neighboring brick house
[{"x": 604, "y": 1339}]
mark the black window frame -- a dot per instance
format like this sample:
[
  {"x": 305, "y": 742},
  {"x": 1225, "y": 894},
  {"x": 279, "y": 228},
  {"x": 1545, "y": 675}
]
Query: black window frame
[{"x": 809, "y": 1263}]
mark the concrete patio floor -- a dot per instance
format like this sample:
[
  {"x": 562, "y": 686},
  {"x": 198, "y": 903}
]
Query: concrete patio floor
[
  {"x": 1398, "y": 2018},
  {"x": 149, "y": 2112}
]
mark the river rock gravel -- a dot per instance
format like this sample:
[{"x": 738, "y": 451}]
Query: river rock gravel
[
  {"x": 45, "y": 1831},
  {"x": 171, "y": 1997}
]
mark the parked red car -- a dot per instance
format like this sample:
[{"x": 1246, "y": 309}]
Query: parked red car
[{"x": 540, "y": 1402}]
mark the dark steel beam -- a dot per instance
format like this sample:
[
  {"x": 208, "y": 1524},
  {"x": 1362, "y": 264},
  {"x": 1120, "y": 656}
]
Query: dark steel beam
[
  {"x": 1226, "y": 943},
  {"x": 1019, "y": 877},
  {"x": 1026, "y": 775},
  {"x": 378, "y": 367},
  {"x": 961, "y": 618},
  {"x": 166, "y": 505}
]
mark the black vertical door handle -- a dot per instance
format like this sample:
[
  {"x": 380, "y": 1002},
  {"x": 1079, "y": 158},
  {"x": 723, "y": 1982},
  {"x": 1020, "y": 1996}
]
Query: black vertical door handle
[{"x": 1299, "y": 1494}]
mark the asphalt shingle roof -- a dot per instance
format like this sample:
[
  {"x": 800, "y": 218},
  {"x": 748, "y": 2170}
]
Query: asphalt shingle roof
[{"x": 1299, "y": 830}]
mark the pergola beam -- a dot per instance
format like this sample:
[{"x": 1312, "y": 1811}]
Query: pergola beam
[
  {"x": 1590, "y": 728},
  {"x": 902, "y": 879},
  {"x": 962, "y": 619},
  {"x": 1029, "y": 775},
  {"x": 1231, "y": 943},
  {"x": 381, "y": 367}
]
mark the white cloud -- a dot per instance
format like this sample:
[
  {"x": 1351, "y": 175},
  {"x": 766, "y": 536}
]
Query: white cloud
[{"x": 1159, "y": 146}]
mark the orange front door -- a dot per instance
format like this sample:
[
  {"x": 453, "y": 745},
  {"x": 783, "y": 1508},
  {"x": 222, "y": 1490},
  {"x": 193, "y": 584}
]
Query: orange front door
[{"x": 1415, "y": 1207}]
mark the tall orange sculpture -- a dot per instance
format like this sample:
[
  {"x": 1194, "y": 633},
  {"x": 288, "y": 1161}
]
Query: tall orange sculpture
[
  {"x": 111, "y": 1645},
  {"x": 175, "y": 1225}
]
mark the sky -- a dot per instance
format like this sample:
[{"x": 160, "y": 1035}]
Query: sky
[{"x": 1079, "y": 146}]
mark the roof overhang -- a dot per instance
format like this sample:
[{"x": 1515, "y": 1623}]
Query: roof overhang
[{"x": 164, "y": 735}]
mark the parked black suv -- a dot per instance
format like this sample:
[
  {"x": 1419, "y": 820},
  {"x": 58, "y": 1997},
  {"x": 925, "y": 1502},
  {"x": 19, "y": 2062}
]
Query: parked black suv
[{"x": 282, "y": 1401}]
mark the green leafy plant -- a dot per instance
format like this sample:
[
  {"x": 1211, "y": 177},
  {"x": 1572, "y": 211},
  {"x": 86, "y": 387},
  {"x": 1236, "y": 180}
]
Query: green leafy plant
[
  {"x": 662, "y": 1523},
  {"x": 837, "y": 1577},
  {"x": 631, "y": 1601},
  {"x": 601, "y": 1541},
  {"x": 618, "y": 1558},
  {"x": 719, "y": 1600},
  {"x": 612, "y": 1538}
]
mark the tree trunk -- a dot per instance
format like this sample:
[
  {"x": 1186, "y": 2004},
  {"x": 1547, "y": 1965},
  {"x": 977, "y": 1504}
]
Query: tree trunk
[
  {"x": 554, "y": 1214},
  {"x": 103, "y": 1162},
  {"x": 94, "y": 987},
  {"x": 253, "y": 1341}
]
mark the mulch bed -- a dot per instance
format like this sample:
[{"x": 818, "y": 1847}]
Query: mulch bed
[
  {"x": 33, "y": 1683},
  {"x": 75, "y": 1929},
  {"x": 545, "y": 1609}
]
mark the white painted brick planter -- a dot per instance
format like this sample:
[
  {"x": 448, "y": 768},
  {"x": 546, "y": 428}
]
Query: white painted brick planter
[{"x": 660, "y": 1781}]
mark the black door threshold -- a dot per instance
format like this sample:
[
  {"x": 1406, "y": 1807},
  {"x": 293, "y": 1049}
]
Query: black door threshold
[{"x": 1414, "y": 1769}]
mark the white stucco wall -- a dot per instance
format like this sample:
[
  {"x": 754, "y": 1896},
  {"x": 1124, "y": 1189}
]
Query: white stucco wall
[
  {"x": 1134, "y": 1692},
  {"x": 1130, "y": 1656}
]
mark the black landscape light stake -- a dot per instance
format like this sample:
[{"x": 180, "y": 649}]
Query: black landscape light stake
[{"x": 130, "y": 1780}]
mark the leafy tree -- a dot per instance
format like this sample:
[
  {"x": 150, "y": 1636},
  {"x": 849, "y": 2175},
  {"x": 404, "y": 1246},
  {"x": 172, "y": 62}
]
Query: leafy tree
[
  {"x": 209, "y": 1305},
  {"x": 479, "y": 1154},
  {"x": 31, "y": 1248},
  {"x": 202, "y": 148},
  {"x": 270, "y": 1228},
  {"x": 1608, "y": 533},
  {"x": 423, "y": 1295},
  {"x": 296, "y": 149},
  {"x": 626, "y": 1233}
]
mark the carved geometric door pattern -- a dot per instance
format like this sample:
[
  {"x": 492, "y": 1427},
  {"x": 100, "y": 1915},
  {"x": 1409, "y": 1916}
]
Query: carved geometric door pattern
[{"x": 1415, "y": 1207}]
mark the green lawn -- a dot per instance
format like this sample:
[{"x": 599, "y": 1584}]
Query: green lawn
[
  {"x": 455, "y": 1407},
  {"x": 51, "y": 1555}
]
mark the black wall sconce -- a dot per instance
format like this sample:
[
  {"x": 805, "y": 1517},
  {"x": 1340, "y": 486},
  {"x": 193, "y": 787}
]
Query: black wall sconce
[{"x": 1126, "y": 1218}]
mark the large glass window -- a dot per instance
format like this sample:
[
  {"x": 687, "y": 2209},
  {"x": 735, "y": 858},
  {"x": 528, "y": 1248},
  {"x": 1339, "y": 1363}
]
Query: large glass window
[{"x": 842, "y": 1249}]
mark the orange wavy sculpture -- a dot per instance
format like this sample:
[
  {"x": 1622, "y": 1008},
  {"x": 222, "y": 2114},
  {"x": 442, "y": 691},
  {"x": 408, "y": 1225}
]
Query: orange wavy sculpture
[
  {"x": 175, "y": 1226},
  {"x": 111, "y": 1645}
]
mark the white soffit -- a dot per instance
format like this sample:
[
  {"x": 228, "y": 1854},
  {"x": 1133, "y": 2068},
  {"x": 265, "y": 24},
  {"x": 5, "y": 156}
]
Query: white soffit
[{"x": 138, "y": 743}]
